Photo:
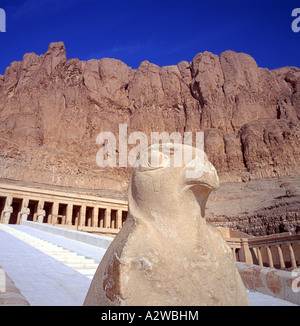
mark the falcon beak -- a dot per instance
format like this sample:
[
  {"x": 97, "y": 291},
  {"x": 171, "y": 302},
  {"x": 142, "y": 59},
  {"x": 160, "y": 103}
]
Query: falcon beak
[
  {"x": 201, "y": 173},
  {"x": 201, "y": 178}
]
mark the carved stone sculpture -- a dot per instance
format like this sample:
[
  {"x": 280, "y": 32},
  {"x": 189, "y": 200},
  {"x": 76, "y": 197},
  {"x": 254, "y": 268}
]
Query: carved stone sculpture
[
  {"x": 166, "y": 254},
  {"x": 41, "y": 213},
  {"x": 25, "y": 211},
  {"x": 7, "y": 211}
]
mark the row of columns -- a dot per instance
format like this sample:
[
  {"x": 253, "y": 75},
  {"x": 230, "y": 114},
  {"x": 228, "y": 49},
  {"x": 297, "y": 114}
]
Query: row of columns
[
  {"x": 245, "y": 254},
  {"x": 23, "y": 213},
  {"x": 280, "y": 255},
  {"x": 65, "y": 213}
]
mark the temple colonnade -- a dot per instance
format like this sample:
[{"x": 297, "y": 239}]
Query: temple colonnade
[
  {"x": 281, "y": 251},
  {"x": 86, "y": 212},
  {"x": 91, "y": 213}
]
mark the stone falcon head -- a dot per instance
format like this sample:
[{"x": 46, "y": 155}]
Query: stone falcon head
[
  {"x": 171, "y": 179},
  {"x": 166, "y": 254}
]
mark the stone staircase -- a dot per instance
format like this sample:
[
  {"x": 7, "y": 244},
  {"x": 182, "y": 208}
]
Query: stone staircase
[{"x": 81, "y": 264}]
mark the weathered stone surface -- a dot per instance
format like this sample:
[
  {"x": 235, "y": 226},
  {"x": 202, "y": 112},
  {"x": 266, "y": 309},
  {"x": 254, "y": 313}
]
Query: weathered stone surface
[
  {"x": 273, "y": 282},
  {"x": 257, "y": 207},
  {"x": 166, "y": 253},
  {"x": 52, "y": 109},
  {"x": 270, "y": 281}
]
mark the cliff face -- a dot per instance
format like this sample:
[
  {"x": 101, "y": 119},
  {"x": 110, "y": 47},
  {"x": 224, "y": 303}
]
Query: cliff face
[
  {"x": 52, "y": 109},
  {"x": 258, "y": 207}
]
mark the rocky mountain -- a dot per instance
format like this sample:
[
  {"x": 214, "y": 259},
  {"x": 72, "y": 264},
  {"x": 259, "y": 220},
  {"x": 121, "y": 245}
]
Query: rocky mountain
[{"x": 52, "y": 109}]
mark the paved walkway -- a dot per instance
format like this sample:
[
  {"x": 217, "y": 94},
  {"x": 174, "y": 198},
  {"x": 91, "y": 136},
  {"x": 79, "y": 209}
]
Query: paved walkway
[
  {"x": 51, "y": 270},
  {"x": 43, "y": 279}
]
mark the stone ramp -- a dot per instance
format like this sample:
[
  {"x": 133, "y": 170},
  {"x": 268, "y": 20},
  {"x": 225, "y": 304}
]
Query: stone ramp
[
  {"x": 82, "y": 264},
  {"x": 100, "y": 241},
  {"x": 47, "y": 274},
  {"x": 43, "y": 271},
  {"x": 9, "y": 293}
]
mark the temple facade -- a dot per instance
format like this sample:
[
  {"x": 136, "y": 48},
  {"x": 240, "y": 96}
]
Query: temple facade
[
  {"x": 91, "y": 213},
  {"x": 74, "y": 210}
]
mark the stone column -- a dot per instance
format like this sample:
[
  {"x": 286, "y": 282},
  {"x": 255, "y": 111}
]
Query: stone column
[
  {"x": 8, "y": 209},
  {"x": 119, "y": 219},
  {"x": 69, "y": 214},
  {"x": 259, "y": 257},
  {"x": 82, "y": 215},
  {"x": 292, "y": 256},
  {"x": 25, "y": 211},
  {"x": 41, "y": 213},
  {"x": 24, "y": 214},
  {"x": 113, "y": 220},
  {"x": 101, "y": 220},
  {"x": 107, "y": 218},
  {"x": 234, "y": 253},
  {"x": 54, "y": 214},
  {"x": 270, "y": 258},
  {"x": 246, "y": 251},
  {"x": 95, "y": 217},
  {"x": 76, "y": 217},
  {"x": 89, "y": 218},
  {"x": 281, "y": 259}
]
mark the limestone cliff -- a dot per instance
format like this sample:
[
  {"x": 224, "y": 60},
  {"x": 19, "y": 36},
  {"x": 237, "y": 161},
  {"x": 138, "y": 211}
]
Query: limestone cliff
[{"x": 52, "y": 109}]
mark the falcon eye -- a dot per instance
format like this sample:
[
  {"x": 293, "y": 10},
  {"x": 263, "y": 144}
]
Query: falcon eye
[{"x": 157, "y": 159}]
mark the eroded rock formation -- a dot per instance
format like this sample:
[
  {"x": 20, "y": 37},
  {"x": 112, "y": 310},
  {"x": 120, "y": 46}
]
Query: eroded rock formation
[
  {"x": 52, "y": 109},
  {"x": 257, "y": 207}
]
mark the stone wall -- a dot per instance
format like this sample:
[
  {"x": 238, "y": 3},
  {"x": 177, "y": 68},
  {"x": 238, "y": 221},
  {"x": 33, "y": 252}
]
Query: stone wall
[{"x": 277, "y": 283}]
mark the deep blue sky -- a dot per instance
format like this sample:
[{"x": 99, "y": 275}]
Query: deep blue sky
[{"x": 164, "y": 32}]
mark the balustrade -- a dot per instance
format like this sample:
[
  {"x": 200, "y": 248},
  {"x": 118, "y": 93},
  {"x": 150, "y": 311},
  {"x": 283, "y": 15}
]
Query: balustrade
[{"x": 280, "y": 251}]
